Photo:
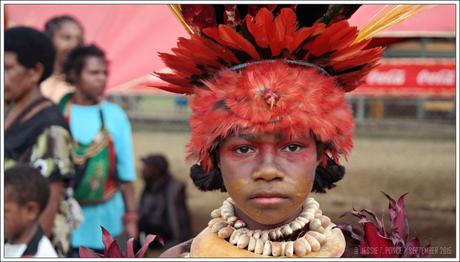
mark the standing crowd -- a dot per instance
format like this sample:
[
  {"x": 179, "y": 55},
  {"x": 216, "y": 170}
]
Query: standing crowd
[{"x": 69, "y": 158}]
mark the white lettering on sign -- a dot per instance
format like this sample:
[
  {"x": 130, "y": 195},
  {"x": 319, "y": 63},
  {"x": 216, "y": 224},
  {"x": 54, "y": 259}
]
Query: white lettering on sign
[
  {"x": 436, "y": 78},
  {"x": 390, "y": 77}
]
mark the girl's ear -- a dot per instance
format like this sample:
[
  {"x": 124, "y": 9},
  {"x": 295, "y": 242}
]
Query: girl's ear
[
  {"x": 37, "y": 72},
  {"x": 32, "y": 210}
]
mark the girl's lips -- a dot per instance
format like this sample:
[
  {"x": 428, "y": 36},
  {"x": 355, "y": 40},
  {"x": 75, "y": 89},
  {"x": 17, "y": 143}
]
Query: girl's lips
[{"x": 268, "y": 198}]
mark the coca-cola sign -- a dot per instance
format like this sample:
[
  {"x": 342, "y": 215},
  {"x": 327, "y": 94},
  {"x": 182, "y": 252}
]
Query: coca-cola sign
[
  {"x": 411, "y": 77},
  {"x": 436, "y": 77},
  {"x": 390, "y": 77}
]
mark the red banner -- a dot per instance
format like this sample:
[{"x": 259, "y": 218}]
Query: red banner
[{"x": 417, "y": 77}]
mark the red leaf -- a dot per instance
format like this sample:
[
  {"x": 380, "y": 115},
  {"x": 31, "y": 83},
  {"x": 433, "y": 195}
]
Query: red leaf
[
  {"x": 114, "y": 251},
  {"x": 88, "y": 253},
  {"x": 353, "y": 212},
  {"x": 378, "y": 245},
  {"x": 380, "y": 223},
  {"x": 107, "y": 239},
  {"x": 149, "y": 239},
  {"x": 130, "y": 248},
  {"x": 398, "y": 217}
]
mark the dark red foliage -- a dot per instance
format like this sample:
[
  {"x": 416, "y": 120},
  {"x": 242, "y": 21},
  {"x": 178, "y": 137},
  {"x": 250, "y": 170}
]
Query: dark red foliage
[
  {"x": 112, "y": 250},
  {"x": 376, "y": 242}
]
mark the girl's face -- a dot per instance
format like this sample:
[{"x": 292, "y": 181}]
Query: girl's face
[
  {"x": 92, "y": 80},
  {"x": 67, "y": 37},
  {"x": 268, "y": 176}
]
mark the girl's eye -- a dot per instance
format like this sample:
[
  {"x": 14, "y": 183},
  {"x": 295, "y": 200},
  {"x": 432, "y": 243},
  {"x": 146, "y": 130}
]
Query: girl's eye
[
  {"x": 244, "y": 150},
  {"x": 293, "y": 148}
]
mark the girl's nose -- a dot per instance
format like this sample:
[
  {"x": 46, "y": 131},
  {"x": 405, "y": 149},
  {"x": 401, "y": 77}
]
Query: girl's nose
[
  {"x": 268, "y": 170},
  {"x": 268, "y": 174}
]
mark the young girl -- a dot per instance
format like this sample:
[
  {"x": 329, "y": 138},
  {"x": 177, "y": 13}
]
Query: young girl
[
  {"x": 269, "y": 122},
  {"x": 66, "y": 33}
]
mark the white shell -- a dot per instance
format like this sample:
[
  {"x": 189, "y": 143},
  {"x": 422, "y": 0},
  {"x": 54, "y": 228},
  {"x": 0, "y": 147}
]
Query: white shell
[
  {"x": 315, "y": 224},
  {"x": 259, "y": 246},
  {"x": 276, "y": 249},
  {"x": 279, "y": 233},
  {"x": 267, "y": 248},
  {"x": 299, "y": 248},
  {"x": 232, "y": 219},
  {"x": 309, "y": 216},
  {"x": 294, "y": 225},
  {"x": 289, "y": 249},
  {"x": 283, "y": 248},
  {"x": 302, "y": 220},
  {"x": 226, "y": 215},
  {"x": 252, "y": 244},
  {"x": 307, "y": 245},
  {"x": 218, "y": 226},
  {"x": 234, "y": 237},
  {"x": 320, "y": 237},
  {"x": 315, "y": 245},
  {"x": 239, "y": 224},
  {"x": 243, "y": 241},
  {"x": 287, "y": 230},
  {"x": 225, "y": 232},
  {"x": 215, "y": 220},
  {"x": 325, "y": 221},
  {"x": 257, "y": 233},
  {"x": 215, "y": 213},
  {"x": 265, "y": 236}
]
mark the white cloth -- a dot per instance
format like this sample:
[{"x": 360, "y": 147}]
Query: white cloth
[{"x": 45, "y": 249}]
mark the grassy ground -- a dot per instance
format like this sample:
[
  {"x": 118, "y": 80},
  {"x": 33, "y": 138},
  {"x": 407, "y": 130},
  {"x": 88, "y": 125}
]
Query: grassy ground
[{"x": 424, "y": 167}]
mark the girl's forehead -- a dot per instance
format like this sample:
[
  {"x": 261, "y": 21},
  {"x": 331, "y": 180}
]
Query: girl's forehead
[{"x": 272, "y": 136}]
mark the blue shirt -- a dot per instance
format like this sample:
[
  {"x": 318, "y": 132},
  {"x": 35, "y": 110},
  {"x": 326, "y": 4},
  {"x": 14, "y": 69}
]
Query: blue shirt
[{"x": 84, "y": 125}]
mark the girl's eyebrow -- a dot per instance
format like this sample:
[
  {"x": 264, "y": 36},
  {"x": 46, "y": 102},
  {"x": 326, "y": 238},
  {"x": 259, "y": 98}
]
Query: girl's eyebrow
[{"x": 249, "y": 137}]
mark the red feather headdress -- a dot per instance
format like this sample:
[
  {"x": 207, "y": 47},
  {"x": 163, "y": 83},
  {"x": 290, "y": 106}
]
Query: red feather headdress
[{"x": 264, "y": 73}]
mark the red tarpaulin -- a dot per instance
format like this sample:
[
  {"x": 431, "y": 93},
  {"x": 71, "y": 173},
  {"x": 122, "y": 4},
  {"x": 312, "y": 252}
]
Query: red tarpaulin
[
  {"x": 414, "y": 77},
  {"x": 131, "y": 35}
]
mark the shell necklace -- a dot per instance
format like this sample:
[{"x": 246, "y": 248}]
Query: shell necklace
[{"x": 297, "y": 238}]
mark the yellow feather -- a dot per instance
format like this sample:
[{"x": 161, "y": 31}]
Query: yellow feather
[
  {"x": 387, "y": 17},
  {"x": 177, "y": 11}
]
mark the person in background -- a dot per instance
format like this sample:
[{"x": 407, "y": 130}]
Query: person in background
[
  {"x": 26, "y": 195},
  {"x": 164, "y": 209},
  {"x": 36, "y": 132},
  {"x": 104, "y": 152},
  {"x": 66, "y": 33}
]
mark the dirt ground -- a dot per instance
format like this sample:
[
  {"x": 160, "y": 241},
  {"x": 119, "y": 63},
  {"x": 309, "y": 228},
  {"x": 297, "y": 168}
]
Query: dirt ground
[{"x": 423, "y": 167}]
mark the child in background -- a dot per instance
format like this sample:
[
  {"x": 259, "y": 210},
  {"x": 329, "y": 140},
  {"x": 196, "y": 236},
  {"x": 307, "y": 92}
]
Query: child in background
[
  {"x": 26, "y": 196},
  {"x": 164, "y": 209}
]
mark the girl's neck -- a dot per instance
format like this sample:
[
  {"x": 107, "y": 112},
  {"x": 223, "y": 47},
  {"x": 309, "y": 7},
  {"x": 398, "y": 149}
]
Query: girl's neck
[
  {"x": 81, "y": 99},
  {"x": 26, "y": 235},
  {"x": 57, "y": 69}
]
